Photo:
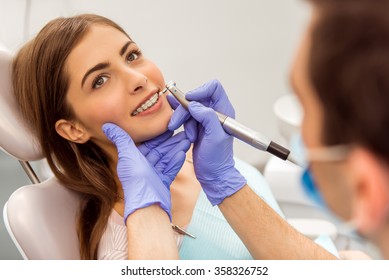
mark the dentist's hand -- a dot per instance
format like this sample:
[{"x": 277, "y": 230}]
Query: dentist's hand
[
  {"x": 145, "y": 183},
  {"x": 213, "y": 149},
  {"x": 166, "y": 153},
  {"x": 211, "y": 95}
]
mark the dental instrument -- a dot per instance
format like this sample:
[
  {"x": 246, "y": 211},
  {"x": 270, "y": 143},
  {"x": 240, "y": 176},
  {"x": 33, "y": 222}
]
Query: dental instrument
[{"x": 238, "y": 130}]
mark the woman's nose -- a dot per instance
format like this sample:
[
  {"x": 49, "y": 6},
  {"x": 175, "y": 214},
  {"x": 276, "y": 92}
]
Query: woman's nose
[{"x": 135, "y": 81}]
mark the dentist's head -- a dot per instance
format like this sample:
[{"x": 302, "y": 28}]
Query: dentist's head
[
  {"x": 341, "y": 76},
  {"x": 75, "y": 75}
]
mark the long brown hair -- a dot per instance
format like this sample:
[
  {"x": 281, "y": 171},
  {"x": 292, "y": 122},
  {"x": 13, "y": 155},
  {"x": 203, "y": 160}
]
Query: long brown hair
[
  {"x": 40, "y": 84},
  {"x": 349, "y": 69}
]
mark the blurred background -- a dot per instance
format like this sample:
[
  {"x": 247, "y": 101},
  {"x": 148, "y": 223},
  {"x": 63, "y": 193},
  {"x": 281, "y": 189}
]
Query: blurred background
[{"x": 247, "y": 45}]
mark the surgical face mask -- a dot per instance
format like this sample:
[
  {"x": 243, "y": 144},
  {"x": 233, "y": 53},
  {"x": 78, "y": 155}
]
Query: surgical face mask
[
  {"x": 305, "y": 156},
  {"x": 310, "y": 188}
]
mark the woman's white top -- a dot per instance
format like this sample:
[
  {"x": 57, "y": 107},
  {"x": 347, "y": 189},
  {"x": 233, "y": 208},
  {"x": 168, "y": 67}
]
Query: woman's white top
[{"x": 114, "y": 244}]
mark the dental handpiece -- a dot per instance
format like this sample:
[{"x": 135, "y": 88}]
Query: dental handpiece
[{"x": 238, "y": 130}]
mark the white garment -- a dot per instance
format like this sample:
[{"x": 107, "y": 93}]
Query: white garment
[{"x": 114, "y": 244}]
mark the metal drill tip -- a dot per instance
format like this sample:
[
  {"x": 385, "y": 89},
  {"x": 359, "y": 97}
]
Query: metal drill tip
[
  {"x": 170, "y": 85},
  {"x": 163, "y": 91}
]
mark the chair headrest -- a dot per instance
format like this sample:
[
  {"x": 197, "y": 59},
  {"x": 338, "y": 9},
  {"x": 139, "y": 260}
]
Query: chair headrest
[{"x": 15, "y": 137}]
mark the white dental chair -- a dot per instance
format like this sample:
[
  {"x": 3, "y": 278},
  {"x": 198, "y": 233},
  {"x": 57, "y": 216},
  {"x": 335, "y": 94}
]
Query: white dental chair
[{"x": 40, "y": 218}]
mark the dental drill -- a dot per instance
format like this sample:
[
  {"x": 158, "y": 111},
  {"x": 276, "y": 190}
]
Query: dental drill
[{"x": 238, "y": 130}]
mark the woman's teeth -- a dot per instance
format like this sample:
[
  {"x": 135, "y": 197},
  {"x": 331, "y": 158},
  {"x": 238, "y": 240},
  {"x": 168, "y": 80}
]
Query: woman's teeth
[{"x": 148, "y": 104}]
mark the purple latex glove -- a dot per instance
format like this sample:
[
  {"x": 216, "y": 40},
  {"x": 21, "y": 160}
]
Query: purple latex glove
[
  {"x": 167, "y": 154},
  {"x": 213, "y": 149},
  {"x": 145, "y": 183}
]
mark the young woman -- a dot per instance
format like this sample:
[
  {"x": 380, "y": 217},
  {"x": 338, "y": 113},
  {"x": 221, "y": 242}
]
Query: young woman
[{"x": 76, "y": 75}]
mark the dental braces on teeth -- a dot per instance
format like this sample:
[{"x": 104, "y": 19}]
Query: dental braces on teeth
[{"x": 149, "y": 103}]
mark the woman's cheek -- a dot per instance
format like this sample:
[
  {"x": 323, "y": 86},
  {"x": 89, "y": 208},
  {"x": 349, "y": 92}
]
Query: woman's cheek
[{"x": 111, "y": 110}]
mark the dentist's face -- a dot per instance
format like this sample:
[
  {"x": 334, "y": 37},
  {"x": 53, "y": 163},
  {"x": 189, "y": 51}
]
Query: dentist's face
[
  {"x": 110, "y": 80},
  {"x": 330, "y": 177}
]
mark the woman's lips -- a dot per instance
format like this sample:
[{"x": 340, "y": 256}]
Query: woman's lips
[{"x": 149, "y": 106}]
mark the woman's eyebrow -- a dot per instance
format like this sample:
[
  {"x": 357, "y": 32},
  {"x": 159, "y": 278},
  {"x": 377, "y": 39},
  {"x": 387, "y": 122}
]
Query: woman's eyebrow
[
  {"x": 125, "y": 47},
  {"x": 93, "y": 69}
]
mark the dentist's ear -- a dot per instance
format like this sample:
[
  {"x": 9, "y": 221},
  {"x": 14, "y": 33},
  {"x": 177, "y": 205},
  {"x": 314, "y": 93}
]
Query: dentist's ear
[
  {"x": 371, "y": 191},
  {"x": 72, "y": 131}
]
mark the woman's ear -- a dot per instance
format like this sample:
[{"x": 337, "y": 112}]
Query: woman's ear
[
  {"x": 72, "y": 131},
  {"x": 371, "y": 190}
]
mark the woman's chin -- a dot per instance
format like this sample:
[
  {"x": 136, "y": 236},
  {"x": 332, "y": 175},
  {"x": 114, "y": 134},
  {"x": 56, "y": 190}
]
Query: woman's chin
[{"x": 150, "y": 136}]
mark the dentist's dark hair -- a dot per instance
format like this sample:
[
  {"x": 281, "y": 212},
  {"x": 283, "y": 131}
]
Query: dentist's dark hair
[
  {"x": 40, "y": 84},
  {"x": 349, "y": 70}
]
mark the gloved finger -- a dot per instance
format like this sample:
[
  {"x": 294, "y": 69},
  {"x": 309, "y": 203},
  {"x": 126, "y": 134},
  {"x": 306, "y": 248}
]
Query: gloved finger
[
  {"x": 181, "y": 111},
  {"x": 165, "y": 150},
  {"x": 212, "y": 90},
  {"x": 183, "y": 117},
  {"x": 120, "y": 138},
  {"x": 191, "y": 130},
  {"x": 179, "y": 117},
  {"x": 207, "y": 117},
  {"x": 146, "y": 146},
  {"x": 172, "y": 101},
  {"x": 166, "y": 160},
  {"x": 180, "y": 114},
  {"x": 182, "y": 146},
  {"x": 174, "y": 166},
  {"x": 212, "y": 94}
]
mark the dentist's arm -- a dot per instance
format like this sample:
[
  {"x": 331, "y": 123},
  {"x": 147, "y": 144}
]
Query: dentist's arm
[
  {"x": 146, "y": 174},
  {"x": 265, "y": 234}
]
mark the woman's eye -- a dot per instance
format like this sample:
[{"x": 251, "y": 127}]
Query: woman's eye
[
  {"x": 132, "y": 56},
  {"x": 99, "y": 82}
]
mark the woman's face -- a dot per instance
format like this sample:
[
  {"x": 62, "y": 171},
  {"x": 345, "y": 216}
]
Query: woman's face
[
  {"x": 109, "y": 80},
  {"x": 329, "y": 176}
]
